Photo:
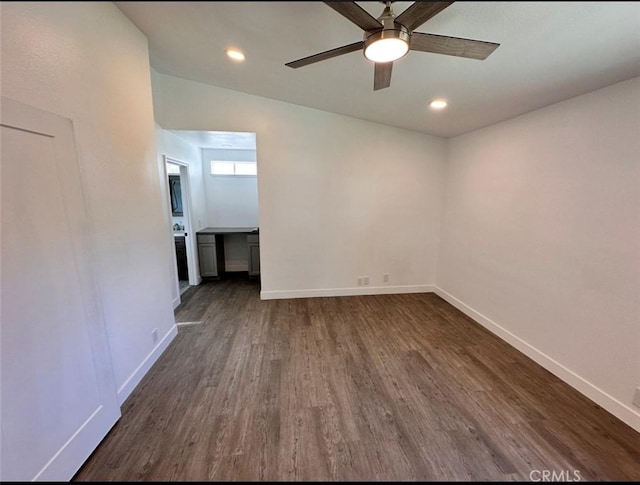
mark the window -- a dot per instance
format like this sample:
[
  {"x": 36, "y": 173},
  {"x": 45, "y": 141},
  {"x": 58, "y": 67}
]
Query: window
[{"x": 219, "y": 167}]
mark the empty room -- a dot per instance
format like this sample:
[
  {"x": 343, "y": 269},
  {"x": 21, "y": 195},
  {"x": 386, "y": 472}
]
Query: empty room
[{"x": 320, "y": 241}]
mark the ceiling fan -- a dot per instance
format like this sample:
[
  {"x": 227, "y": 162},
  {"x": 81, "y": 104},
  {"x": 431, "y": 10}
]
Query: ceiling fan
[{"x": 389, "y": 38}]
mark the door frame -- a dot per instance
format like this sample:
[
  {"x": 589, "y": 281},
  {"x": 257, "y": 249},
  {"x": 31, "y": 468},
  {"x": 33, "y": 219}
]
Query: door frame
[{"x": 187, "y": 208}]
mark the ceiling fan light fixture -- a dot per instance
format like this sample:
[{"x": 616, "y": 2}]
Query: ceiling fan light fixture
[{"x": 387, "y": 45}]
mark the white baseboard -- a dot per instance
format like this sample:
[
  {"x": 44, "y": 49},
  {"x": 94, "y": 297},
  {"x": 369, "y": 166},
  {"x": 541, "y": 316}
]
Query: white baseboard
[
  {"x": 597, "y": 395},
  {"x": 232, "y": 266},
  {"x": 137, "y": 375},
  {"x": 176, "y": 302},
  {"x": 180, "y": 324},
  {"x": 368, "y": 290}
]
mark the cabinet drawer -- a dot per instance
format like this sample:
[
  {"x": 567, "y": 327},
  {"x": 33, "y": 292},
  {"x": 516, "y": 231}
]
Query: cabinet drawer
[
  {"x": 253, "y": 238},
  {"x": 206, "y": 238}
]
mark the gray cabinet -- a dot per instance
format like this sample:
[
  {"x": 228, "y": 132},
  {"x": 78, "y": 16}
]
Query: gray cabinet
[
  {"x": 211, "y": 255},
  {"x": 211, "y": 250},
  {"x": 253, "y": 245}
]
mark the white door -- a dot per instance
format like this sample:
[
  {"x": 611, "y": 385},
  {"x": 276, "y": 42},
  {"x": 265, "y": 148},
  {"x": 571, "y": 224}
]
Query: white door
[{"x": 58, "y": 397}]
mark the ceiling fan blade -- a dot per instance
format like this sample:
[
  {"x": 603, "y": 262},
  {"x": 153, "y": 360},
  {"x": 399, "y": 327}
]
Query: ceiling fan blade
[
  {"x": 382, "y": 75},
  {"x": 354, "y": 12},
  {"x": 338, "y": 51},
  {"x": 452, "y": 46},
  {"x": 418, "y": 13}
]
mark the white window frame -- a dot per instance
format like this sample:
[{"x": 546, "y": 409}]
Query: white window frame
[{"x": 234, "y": 174}]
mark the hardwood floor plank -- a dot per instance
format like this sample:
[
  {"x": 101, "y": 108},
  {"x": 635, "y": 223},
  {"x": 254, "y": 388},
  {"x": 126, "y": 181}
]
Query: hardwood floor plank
[{"x": 360, "y": 388}]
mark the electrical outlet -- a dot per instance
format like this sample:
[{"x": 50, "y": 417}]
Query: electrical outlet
[
  {"x": 359, "y": 281},
  {"x": 636, "y": 397},
  {"x": 365, "y": 280},
  {"x": 385, "y": 278},
  {"x": 154, "y": 335}
]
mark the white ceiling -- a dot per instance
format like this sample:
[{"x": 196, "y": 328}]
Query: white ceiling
[
  {"x": 225, "y": 140},
  {"x": 549, "y": 51}
]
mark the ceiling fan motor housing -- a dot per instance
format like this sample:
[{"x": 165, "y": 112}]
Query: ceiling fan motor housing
[
  {"x": 390, "y": 30},
  {"x": 398, "y": 31}
]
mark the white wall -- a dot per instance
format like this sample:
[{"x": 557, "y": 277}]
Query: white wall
[
  {"x": 231, "y": 201},
  {"x": 338, "y": 197},
  {"x": 541, "y": 238},
  {"x": 87, "y": 62},
  {"x": 178, "y": 148}
]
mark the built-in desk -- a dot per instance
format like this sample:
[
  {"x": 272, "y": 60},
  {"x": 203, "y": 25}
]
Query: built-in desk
[{"x": 211, "y": 250}]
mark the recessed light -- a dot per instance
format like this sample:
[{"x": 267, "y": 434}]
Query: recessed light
[
  {"x": 438, "y": 104},
  {"x": 235, "y": 54}
]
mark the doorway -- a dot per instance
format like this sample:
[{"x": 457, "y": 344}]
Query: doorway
[
  {"x": 231, "y": 188},
  {"x": 181, "y": 223},
  {"x": 227, "y": 200}
]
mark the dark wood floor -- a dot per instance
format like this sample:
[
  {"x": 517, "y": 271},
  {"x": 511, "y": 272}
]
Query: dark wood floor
[{"x": 366, "y": 388}]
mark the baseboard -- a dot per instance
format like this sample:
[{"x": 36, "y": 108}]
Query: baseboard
[
  {"x": 369, "y": 290},
  {"x": 232, "y": 266},
  {"x": 176, "y": 302},
  {"x": 597, "y": 395},
  {"x": 134, "y": 379}
]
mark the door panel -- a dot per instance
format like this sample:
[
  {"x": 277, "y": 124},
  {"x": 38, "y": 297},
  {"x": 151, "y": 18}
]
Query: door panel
[
  {"x": 208, "y": 259},
  {"x": 58, "y": 394}
]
